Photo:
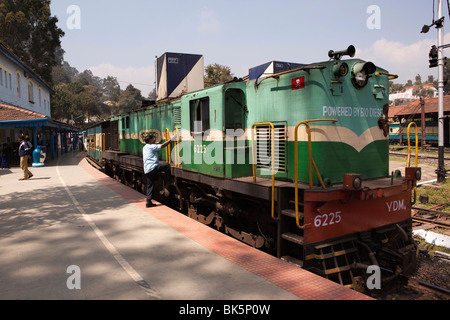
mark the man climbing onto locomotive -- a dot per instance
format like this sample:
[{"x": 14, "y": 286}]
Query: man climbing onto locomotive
[{"x": 152, "y": 167}]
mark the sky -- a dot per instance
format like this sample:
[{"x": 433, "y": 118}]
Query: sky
[{"x": 122, "y": 38}]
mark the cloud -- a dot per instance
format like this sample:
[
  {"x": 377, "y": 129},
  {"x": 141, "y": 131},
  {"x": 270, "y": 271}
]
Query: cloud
[
  {"x": 405, "y": 60},
  {"x": 142, "y": 78},
  {"x": 208, "y": 21}
]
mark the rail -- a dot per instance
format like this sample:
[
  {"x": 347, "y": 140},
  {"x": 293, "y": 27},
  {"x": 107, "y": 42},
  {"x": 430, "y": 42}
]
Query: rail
[
  {"x": 312, "y": 163},
  {"x": 272, "y": 135},
  {"x": 408, "y": 161}
]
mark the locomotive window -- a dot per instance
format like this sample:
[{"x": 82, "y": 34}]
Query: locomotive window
[
  {"x": 125, "y": 123},
  {"x": 199, "y": 111},
  {"x": 234, "y": 109}
]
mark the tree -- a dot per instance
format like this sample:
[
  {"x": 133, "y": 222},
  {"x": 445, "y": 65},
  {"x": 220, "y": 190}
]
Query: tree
[
  {"x": 418, "y": 80},
  {"x": 31, "y": 32},
  {"x": 216, "y": 74},
  {"x": 152, "y": 95},
  {"x": 395, "y": 87},
  {"x": 423, "y": 92},
  {"x": 76, "y": 100},
  {"x": 88, "y": 78},
  {"x": 111, "y": 89},
  {"x": 64, "y": 73},
  {"x": 130, "y": 99}
]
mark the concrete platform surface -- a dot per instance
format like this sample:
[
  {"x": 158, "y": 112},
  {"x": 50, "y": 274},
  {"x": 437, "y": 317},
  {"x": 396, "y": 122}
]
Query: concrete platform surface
[{"x": 72, "y": 233}]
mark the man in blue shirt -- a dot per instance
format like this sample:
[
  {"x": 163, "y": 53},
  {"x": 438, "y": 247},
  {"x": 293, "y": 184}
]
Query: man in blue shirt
[{"x": 152, "y": 166}]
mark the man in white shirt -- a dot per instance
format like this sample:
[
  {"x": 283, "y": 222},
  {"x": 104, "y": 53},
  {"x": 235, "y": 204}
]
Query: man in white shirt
[{"x": 152, "y": 166}]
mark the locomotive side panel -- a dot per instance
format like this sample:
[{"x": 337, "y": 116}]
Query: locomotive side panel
[
  {"x": 355, "y": 143},
  {"x": 133, "y": 127}
]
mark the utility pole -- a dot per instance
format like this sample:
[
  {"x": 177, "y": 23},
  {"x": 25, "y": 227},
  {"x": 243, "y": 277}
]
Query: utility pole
[
  {"x": 424, "y": 129},
  {"x": 441, "y": 172},
  {"x": 437, "y": 60}
]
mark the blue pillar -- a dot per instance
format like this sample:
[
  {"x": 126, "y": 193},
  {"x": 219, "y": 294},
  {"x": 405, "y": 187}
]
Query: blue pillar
[
  {"x": 52, "y": 144},
  {"x": 61, "y": 136},
  {"x": 56, "y": 142},
  {"x": 34, "y": 137},
  {"x": 43, "y": 136},
  {"x": 65, "y": 141}
]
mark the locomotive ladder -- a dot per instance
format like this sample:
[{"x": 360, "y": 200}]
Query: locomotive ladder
[{"x": 290, "y": 234}]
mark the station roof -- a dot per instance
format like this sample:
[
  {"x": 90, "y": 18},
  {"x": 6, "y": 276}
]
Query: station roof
[
  {"x": 15, "y": 117},
  {"x": 431, "y": 106}
]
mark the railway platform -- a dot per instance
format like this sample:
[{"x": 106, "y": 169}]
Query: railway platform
[{"x": 72, "y": 233}]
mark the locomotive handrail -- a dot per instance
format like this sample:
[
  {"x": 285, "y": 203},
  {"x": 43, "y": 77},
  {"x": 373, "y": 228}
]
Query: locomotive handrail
[
  {"x": 168, "y": 149},
  {"x": 102, "y": 146},
  {"x": 408, "y": 161},
  {"x": 312, "y": 163},
  {"x": 177, "y": 149},
  {"x": 305, "y": 68},
  {"x": 391, "y": 76},
  {"x": 272, "y": 134}
]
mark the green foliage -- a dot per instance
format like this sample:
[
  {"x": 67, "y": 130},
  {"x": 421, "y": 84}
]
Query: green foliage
[
  {"x": 86, "y": 97},
  {"x": 130, "y": 99},
  {"x": 216, "y": 74},
  {"x": 29, "y": 30}
]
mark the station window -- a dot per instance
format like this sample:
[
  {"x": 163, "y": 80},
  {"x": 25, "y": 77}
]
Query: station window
[
  {"x": 199, "y": 111},
  {"x": 5, "y": 79},
  {"x": 125, "y": 123},
  {"x": 18, "y": 84},
  {"x": 30, "y": 92}
]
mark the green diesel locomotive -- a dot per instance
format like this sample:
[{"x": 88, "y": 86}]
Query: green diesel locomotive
[{"x": 293, "y": 160}]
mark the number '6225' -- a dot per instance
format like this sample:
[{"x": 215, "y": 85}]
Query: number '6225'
[{"x": 324, "y": 220}]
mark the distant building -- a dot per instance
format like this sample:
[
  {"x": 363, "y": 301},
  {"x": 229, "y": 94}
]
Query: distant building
[
  {"x": 408, "y": 93},
  {"x": 412, "y": 112}
]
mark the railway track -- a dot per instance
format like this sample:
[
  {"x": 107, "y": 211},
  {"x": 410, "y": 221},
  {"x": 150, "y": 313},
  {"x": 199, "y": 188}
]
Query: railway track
[
  {"x": 429, "y": 282},
  {"x": 420, "y": 156},
  {"x": 432, "y": 216}
]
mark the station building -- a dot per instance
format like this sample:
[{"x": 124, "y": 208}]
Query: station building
[
  {"x": 25, "y": 110},
  {"x": 426, "y": 109}
]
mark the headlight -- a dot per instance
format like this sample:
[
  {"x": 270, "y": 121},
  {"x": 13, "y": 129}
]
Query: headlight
[
  {"x": 361, "y": 72},
  {"x": 340, "y": 69},
  {"x": 357, "y": 183},
  {"x": 352, "y": 181}
]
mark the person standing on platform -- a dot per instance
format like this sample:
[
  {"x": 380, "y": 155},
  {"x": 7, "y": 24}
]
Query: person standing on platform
[
  {"x": 152, "y": 167},
  {"x": 24, "y": 154}
]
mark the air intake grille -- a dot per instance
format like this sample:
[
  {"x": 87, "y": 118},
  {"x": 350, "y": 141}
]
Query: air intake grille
[
  {"x": 264, "y": 148},
  {"x": 177, "y": 117}
]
